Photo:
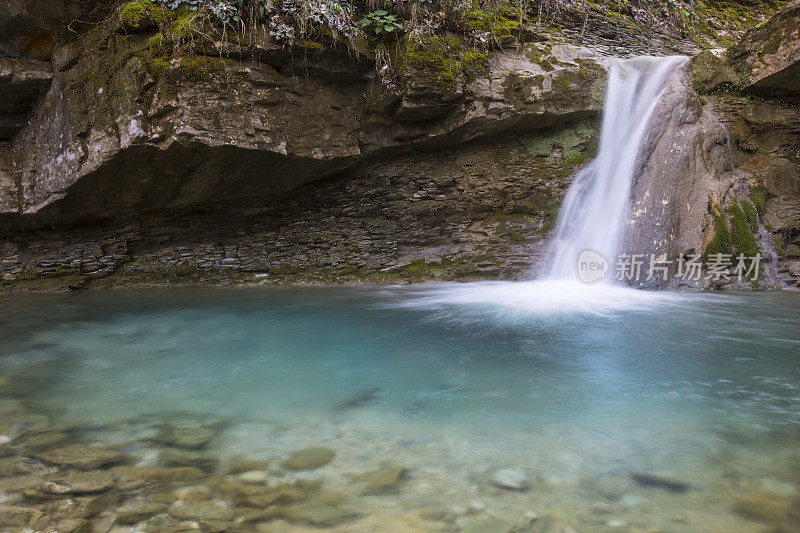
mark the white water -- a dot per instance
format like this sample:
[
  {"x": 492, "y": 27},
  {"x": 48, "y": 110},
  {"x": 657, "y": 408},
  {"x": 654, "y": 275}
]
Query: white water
[{"x": 595, "y": 208}]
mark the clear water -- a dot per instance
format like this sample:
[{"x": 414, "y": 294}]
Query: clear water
[{"x": 579, "y": 389}]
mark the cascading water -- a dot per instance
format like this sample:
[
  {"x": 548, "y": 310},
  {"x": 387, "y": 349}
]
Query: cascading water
[{"x": 593, "y": 214}]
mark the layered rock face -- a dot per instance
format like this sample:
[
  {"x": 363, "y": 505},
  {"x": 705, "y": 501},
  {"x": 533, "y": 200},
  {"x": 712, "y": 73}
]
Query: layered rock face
[{"x": 293, "y": 165}]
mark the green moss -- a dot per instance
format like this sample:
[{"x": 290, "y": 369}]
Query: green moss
[
  {"x": 742, "y": 237},
  {"x": 158, "y": 67},
  {"x": 546, "y": 65},
  {"x": 474, "y": 63},
  {"x": 751, "y": 213},
  {"x": 134, "y": 15},
  {"x": 721, "y": 243},
  {"x": 446, "y": 58},
  {"x": 758, "y": 194},
  {"x": 27, "y": 275},
  {"x": 773, "y": 44},
  {"x": 192, "y": 69},
  {"x": 702, "y": 101},
  {"x": 780, "y": 245},
  {"x": 568, "y": 139},
  {"x": 518, "y": 88},
  {"x": 160, "y": 46},
  {"x": 498, "y": 23},
  {"x": 140, "y": 14},
  {"x": 447, "y": 269}
]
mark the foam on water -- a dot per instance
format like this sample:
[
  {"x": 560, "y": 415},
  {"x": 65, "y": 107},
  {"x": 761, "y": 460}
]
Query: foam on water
[{"x": 546, "y": 297}]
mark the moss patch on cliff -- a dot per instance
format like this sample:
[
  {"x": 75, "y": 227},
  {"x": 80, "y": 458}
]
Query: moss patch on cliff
[
  {"x": 568, "y": 143},
  {"x": 447, "y": 59},
  {"x": 742, "y": 237},
  {"x": 721, "y": 242}
]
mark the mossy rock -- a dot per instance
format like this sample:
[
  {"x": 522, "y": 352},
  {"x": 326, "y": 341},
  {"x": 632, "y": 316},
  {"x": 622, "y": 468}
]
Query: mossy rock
[
  {"x": 141, "y": 15},
  {"x": 710, "y": 73}
]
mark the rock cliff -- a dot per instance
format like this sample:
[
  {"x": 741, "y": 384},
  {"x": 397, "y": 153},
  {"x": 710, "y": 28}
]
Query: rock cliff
[{"x": 126, "y": 162}]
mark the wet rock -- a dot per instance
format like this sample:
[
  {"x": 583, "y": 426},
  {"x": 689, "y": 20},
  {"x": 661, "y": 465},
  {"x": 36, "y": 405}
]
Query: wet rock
[
  {"x": 511, "y": 479},
  {"x": 315, "y": 515},
  {"x": 762, "y": 507},
  {"x": 768, "y": 56},
  {"x": 81, "y": 507},
  {"x": 253, "y": 476},
  {"x": 309, "y": 458},
  {"x": 133, "y": 477},
  {"x": 79, "y": 483},
  {"x": 203, "y": 510},
  {"x": 70, "y": 525},
  {"x": 135, "y": 511},
  {"x": 83, "y": 457},
  {"x": 282, "y": 496},
  {"x": 360, "y": 399},
  {"x": 214, "y": 526},
  {"x": 239, "y": 467},
  {"x": 384, "y": 479},
  {"x": 11, "y": 516},
  {"x": 193, "y": 492},
  {"x": 44, "y": 441},
  {"x": 488, "y": 525},
  {"x": 179, "y": 457},
  {"x": 190, "y": 435},
  {"x": 103, "y": 522},
  {"x": 647, "y": 479},
  {"x": 709, "y": 73},
  {"x": 21, "y": 466}
]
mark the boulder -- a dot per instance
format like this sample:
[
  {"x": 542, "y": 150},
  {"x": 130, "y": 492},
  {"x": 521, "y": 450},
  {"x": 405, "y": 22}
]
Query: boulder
[
  {"x": 83, "y": 457},
  {"x": 309, "y": 458},
  {"x": 767, "y": 58}
]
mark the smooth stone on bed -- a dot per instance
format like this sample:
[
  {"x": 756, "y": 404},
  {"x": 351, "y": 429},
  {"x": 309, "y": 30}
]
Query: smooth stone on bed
[
  {"x": 384, "y": 479},
  {"x": 659, "y": 481},
  {"x": 309, "y": 458},
  {"x": 13, "y": 516},
  {"x": 488, "y": 525},
  {"x": 255, "y": 477},
  {"x": 202, "y": 510},
  {"x": 79, "y": 483},
  {"x": 246, "y": 465},
  {"x": 181, "y": 457},
  {"x": 135, "y": 511},
  {"x": 191, "y": 435},
  {"x": 42, "y": 441},
  {"x": 510, "y": 479},
  {"x": 83, "y": 457}
]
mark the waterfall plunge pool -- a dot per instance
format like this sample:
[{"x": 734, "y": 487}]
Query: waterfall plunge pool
[{"x": 598, "y": 408}]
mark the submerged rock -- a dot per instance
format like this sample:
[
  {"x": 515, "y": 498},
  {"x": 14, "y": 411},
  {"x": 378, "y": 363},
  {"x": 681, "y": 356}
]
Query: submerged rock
[
  {"x": 189, "y": 435},
  {"x": 203, "y": 510},
  {"x": 12, "y": 516},
  {"x": 79, "y": 483},
  {"x": 386, "y": 478},
  {"x": 659, "y": 481},
  {"x": 511, "y": 479},
  {"x": 309, "y": 458},
  {"x": 362, "y": 398},
  {"x": 253, "y": 476},
  {"x": 83, "y": 457},
  {"x": 488, "y": 525},
  {"x": 179, "y": 457},
  {"x": 135, "y": 511}
]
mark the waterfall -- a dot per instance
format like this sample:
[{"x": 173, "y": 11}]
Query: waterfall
[{"x": 595, "y": 209}]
